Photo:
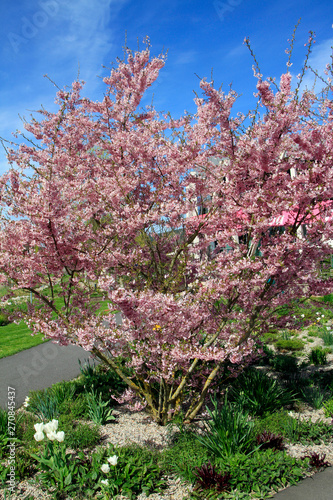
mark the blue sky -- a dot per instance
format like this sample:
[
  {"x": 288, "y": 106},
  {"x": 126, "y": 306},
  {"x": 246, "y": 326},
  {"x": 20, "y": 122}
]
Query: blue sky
[{"x": 61, "y": 37}]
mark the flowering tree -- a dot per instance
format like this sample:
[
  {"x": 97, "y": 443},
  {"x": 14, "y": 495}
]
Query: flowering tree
[{"x": 104, "y": 197}]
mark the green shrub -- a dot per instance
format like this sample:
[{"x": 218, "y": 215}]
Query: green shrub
[
  {"x": 270, "y": 336},
  {"x": 77, "y": 407},
  {"x": 276, "y": 423},
  {"x": 24, "y": 464},
  {"x": 101, "y": 379},
  {"x": 4, "y": 436},
  {"x": 228, "y": 431},
  {"x": 327, "y": 337},
  {"x": 269, "y": 353},
  {"x": 83, "y": 436},
  {"x": 313, "y": 331},
  {"x": 99, "y": 411},
  {"x": 328, "y": 298},
  {"x": 314, "y": 432},
  {"x": 4, "y": 320},
  {"x": 258, "y": 475},
  {"x": 328, "y": 408},
  {"x": 287, "y": 334},
  {"x": 290, "y": 344},
  {"x": 63, "y": 391},
  {"x": 295, "y": 429},
  {"x": 3, "y": 422},
  {"x": 79, "y": 435},
  {"x": 183, "y": 455},
  {"x": 25, "y": 429},
  {"x": 324, "y": 380},
  {"x": 257, "y": 393},
  {"x": 47, "y": 404},
  {"x": 318, "y": 356},
  {"x": 284, "y": 363},
  {"x": 313, "y": 396},
  {"x": 87, "y": 370},
  {"x": 44, "y": 405}
]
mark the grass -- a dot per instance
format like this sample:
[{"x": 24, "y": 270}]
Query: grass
[{"x": 16, "y": 338}]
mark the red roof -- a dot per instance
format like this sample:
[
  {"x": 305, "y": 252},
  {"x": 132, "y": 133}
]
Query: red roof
[{"x": 288, "y": 217}]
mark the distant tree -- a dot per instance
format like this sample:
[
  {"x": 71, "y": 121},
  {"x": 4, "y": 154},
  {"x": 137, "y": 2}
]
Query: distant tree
[{"x": 106, "y": 196}]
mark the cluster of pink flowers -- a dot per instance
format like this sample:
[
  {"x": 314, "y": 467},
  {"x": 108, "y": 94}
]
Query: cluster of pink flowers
[{"x": 108, "y": 201}]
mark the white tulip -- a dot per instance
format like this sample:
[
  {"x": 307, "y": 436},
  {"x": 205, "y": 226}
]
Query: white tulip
[
  {"x": 39, "y": 436},
  {"x": 55, "y": 424},
  {"x": 48, "y": 428},
  {"x": 113, "y": 460},
  {"x": 51, "y": 435},
  {"x": 39, "y": 427},
  {"x": 60, "y": 436},
  {"x": 105, "y": 468},
  {"x": 105, "y": 481},
  {"x": 51, "y": 426}
]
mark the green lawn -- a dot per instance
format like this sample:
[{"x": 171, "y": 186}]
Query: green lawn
[{"x": 15, "y": 338}]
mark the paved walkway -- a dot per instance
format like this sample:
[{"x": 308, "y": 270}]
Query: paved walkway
[
  {"x": 46, "y": 364},
  {"x": 37, "y": 368},
  {"x": 317, "y": 487}
]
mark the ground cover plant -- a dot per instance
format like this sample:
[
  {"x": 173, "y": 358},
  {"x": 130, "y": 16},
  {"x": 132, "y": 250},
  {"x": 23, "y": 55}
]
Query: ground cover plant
[{"x": 130, "y": 205}]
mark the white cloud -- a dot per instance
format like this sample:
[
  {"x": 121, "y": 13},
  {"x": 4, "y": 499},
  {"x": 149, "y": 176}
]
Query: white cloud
[
  {"x": 74, "y": 35},
  {"x": 186, "y": 57},
  {"x": 80, "y": 36},
  {"x": 237, "y": 52}
]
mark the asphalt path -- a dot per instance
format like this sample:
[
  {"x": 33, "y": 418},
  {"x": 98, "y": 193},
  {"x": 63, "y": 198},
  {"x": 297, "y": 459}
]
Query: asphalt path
[
  {"x": 37, "y": 368},
  {"x": 317, "y": 487}
]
